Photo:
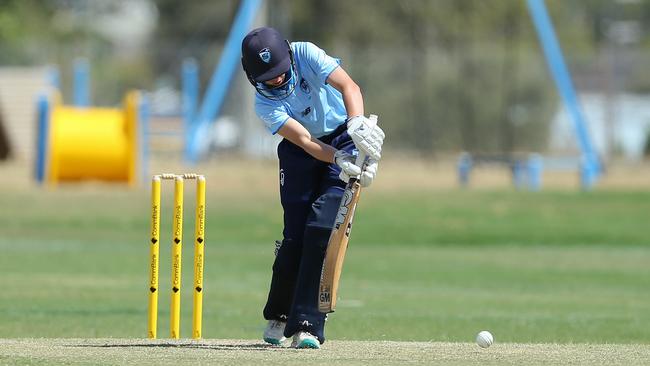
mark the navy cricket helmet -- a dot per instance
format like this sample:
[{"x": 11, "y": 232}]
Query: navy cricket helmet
[{"x": 267, "y": 55}]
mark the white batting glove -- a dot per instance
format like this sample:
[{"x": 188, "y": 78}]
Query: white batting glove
[
  {"x": 366, "y": 177},
  {"x": 369, "y": 172},
  {"x": 367, "y": 136},
  {"x": 346, "y": 162}
]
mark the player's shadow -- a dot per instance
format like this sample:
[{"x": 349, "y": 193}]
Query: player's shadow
[{"x": 192, "y": 345}]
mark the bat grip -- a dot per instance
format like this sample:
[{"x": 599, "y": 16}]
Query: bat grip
[{"x": 362, "y": 161}]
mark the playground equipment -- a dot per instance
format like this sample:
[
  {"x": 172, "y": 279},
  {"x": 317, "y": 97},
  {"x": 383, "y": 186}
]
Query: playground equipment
[
  {"x": 527, "y": 171},
  {"x": 590, "y": 167},
  {"x": 198, "y": 120},
  {"x": 201, "y": 112},
  {"x": 77, "y": 143}
]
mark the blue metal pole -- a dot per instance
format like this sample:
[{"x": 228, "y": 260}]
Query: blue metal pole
[
  {"x": 43, "y": 115},
  {"x": 190, "y": 87},
  {"x": 518, "y": 174},
  {"x": 562, "y": 78},
  {"x": 81, "y": 91},
  {"x": 218, "y": 87},
  {"x": 464, "y": 169},
  {"x": 535, "y": 168},
  {"x": 143, "y": 133},
  {"x": 53, "y": 78}
]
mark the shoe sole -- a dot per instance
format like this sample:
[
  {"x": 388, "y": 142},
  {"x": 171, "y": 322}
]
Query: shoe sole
[
  {"x": 273, "y": 341},
  {"x": 309, "y": 343}
]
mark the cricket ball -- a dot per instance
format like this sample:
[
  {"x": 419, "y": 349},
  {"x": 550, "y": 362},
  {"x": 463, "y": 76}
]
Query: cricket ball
[{"x": 484, "y": 339}]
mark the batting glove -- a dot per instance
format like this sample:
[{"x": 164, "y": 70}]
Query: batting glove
[
  {"x": 369, "y": 172},
  {"x": 367, "y": 136},
  {"x": 346, "y": 162}
]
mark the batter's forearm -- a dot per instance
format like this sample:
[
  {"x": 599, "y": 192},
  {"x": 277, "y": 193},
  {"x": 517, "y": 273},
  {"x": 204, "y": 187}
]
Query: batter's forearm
[
  {"x": 353, "y": 100},
  {"x": 298, "y": 135},
  {"x": 320, "y": 150}
]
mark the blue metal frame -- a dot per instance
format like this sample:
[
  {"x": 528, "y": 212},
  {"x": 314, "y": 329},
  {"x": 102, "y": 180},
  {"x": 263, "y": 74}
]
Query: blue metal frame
[
  {"x": 535, "y": 168},
  {"x": 464, "y": 169},
  {"x": 143, "y": 136},
  {"x": 43, "y": 115},
  {"x": 81, "y": 92},
  {"x": 219, "y": 84},
  {"x": 53, "y": 77},
  {"x": 591, "y": 168},
  {"x": 190, "y": 100}
]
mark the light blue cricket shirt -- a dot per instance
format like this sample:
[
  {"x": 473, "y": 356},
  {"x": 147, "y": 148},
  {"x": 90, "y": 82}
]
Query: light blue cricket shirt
[{"x": 315, "y": 104}]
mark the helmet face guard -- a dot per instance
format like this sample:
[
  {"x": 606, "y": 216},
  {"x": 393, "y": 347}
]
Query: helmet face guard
[{"x": 282, "y": 91}]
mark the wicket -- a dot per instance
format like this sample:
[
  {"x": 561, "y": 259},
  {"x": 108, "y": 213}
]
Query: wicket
[{"x": 177, "y": 246}]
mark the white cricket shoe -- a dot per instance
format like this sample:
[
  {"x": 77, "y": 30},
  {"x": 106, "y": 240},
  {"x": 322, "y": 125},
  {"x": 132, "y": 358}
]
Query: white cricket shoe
[
  {"x": 274, "y": 332},
  {"x": 305, "y": 340}
]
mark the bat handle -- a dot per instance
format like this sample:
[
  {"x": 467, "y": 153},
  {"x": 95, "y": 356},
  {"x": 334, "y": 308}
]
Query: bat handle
[{"x": 362, "y": 159}]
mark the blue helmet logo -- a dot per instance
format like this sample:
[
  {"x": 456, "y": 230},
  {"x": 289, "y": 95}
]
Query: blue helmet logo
[{"x": 265, "y": 55}]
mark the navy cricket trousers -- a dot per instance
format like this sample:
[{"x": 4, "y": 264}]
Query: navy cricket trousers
[{"x": 310, "y": 192}]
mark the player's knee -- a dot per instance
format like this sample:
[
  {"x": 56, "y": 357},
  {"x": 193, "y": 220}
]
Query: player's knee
[
  {"x": 321, "y": 219},
  {"x": 317, "y": 237},
  {"x": 324, "y": 209}
]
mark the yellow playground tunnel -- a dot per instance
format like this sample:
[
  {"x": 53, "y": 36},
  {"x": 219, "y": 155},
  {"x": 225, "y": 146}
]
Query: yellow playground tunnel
[{"x": 89, "y": 143}]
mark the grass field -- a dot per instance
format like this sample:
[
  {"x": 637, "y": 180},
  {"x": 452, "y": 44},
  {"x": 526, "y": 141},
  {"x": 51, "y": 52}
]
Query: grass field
[
  {"x": 547, "y": 272},
  {"x": 240, "y": 352}
]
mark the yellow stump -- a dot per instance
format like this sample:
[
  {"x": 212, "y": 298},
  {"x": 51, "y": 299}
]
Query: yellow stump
[
  {"x": 199, "y": 246},
  {"x": 177, "y": 246},
  {"x": 176, "y": 254},
  {"x": 154, "y": 256}
]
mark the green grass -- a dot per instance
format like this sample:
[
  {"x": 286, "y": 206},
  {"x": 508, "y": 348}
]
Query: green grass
[{"x": 565, "y": 267}]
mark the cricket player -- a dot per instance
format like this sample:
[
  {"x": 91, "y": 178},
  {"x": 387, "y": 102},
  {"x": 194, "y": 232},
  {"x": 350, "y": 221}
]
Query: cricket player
[{"x": 305, "y": 96}]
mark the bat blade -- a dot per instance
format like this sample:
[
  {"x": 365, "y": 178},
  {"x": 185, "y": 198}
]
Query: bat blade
[
  {"x": 338, "y": 241},
  {"x": 336, "y": 248}
]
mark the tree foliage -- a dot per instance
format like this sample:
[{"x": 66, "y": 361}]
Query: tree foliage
[{"x": 443, "y": 75}]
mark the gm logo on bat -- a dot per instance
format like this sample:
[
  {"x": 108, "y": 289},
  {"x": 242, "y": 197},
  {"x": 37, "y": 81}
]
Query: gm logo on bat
[{"x": 325, "y": 296}]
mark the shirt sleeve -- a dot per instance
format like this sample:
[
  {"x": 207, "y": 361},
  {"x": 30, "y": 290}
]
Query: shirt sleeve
[
  {"x": 318, "y": 61},
  {"x": 273, "y": 114}
]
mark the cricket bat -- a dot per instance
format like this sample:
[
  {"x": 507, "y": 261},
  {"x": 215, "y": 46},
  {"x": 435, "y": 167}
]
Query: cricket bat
[{"x": 338, "y": 241}]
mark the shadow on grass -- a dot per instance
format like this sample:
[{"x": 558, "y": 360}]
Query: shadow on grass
[{"x": 210, "y": 346}]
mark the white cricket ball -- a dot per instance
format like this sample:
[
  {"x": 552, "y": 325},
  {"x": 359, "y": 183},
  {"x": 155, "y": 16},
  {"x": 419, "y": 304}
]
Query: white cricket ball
[{"x": 484, "y": 339}]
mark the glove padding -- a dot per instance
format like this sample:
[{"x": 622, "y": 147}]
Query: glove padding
[
  {"x": 347, "y": 164},
  {"x": 367, "y": 175},
  {"x": 367, "y": 136}
]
